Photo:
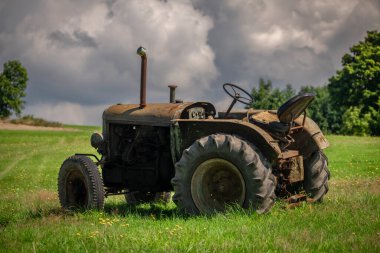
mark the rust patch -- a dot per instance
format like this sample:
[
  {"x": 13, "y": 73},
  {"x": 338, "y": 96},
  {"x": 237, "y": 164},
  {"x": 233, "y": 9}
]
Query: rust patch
[
  {"x": 154, "y": 114},
  {"x": 297, "y": 200},
  {"x": 296, "y": 169},
  {"x": 264, "y": 116}
]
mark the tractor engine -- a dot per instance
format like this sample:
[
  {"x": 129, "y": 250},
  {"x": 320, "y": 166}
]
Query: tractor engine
[{"x": 140, "y": 158}]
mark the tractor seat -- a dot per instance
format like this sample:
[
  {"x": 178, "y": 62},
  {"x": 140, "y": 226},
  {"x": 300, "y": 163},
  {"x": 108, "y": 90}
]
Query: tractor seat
[
  {"x": 294, "y": 107},
  {"x": 281, "y": 122}
]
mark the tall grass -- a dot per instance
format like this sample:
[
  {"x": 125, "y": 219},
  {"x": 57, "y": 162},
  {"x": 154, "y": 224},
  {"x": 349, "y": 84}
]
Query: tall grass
[{"x": 32, "y": 221}]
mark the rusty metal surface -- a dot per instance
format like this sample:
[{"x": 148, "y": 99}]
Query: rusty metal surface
[
  {"x": 296, "y": 201},
  {"x": 307, "y": 139},
  {"x": 235, "y": 114},
  {"x": 142, "y": 52},
  {"x": 288, "y": 172},
  {"x": 311, "y": 138},
  {"x": 296, "y": 198},
  {"x": 296, "y": 168},
  {"x": 191, "y": 130},
  {"x": 143, "y": 82},
  {"x": 288, "y": 154},
  {"x": 264, "y": 116},
  {"x": 151, "y": 114}
]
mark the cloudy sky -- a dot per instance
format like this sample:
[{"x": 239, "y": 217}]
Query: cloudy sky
[{"x": 81, "y": 55}]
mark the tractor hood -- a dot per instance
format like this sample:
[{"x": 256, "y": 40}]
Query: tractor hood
[{"x": 155, "y": 114}]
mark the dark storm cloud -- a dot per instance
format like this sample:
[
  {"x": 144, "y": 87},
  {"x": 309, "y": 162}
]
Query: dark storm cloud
[
  {"x": 77, "y": 39},
  {"x": 297, "y": 42},
  {"x": 80, "y": 55},
  {"x": 110, "y": 4}
]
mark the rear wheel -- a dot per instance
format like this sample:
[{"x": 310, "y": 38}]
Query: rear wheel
[
  {"x": 220, "y": 170},
  {"x": 80, "y": 184},
  {"x": 134, "y": 198},
  {"x": 317, "y": 176}
]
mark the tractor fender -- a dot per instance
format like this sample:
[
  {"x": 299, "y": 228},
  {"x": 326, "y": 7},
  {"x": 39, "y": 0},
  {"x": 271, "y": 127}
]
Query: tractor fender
[
  {"x": 310, "y": 139},
  {"x": 184, "y": 132}
]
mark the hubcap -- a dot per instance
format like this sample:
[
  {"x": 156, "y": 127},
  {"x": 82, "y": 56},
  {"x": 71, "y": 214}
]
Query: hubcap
[
  {"x": 215, "y": 184},
  {"x": 77, "y": 195}
]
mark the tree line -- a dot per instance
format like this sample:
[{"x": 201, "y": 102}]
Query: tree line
[{"x": 350, "y": 102}]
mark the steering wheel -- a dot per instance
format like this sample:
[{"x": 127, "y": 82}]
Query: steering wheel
[{"x": 233, "y": 91}]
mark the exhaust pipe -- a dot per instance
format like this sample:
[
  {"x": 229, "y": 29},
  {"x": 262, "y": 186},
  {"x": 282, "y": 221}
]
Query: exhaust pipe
[
  {"x": 172, "y": 93},
  {"x": 142, "y": 52}
]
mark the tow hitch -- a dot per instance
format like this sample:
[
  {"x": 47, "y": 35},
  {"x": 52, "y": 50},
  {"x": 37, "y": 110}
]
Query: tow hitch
[{"x": 297, "y": 200}]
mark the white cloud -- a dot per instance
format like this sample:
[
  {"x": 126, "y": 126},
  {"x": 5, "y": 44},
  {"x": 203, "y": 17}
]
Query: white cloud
[
  {"x": 86, "y": 54},
  {"x": 68, "y": 113},
  {"x": 62, "y": 112}
]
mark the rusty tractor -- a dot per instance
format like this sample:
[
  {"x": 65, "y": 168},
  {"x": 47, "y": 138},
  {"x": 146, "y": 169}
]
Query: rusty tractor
[{"x": 210, "y": 161}]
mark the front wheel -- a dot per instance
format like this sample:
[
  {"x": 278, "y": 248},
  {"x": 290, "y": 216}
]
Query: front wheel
[
  {"x": 80, "y": 185},
  {"x": 220, "y": 170}
]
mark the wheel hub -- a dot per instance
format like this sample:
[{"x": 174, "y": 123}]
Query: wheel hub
[{"x": 215, "y": 184}]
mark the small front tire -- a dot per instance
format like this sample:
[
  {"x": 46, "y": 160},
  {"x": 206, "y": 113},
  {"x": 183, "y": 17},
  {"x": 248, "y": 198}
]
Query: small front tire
[{"x": 80, "y": 185}]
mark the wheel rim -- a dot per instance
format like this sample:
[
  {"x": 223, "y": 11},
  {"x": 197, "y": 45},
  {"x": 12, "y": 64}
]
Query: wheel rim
[
  {"x": 76, "y": 188},
  {"x": 215, "y": 184}
]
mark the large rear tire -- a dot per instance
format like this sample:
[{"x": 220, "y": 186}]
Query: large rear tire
[
  {"x": 80, "y": 185},
  {"x": 220, "y": 170},
  {"x": 317, "y": 176}
]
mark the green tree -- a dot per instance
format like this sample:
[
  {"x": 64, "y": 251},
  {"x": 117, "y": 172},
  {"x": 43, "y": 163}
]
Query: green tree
[
  {"x": 13, "y": 81},
  {"x": 265, "y": 97},
  {"x": 355, "y": 89},
  {"x": 355, "y": 123},
  {"x": 321, "y": 109}
]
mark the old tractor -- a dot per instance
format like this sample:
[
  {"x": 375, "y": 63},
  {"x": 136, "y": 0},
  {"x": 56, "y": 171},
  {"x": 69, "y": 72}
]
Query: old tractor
[{"x": 210, "y": 161}]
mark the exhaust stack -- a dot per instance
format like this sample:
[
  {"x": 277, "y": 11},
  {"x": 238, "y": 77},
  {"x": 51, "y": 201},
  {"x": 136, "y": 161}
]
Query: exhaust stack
[
  {"x": 142, "y": 52},
  {"x": 172, "y": 93}
]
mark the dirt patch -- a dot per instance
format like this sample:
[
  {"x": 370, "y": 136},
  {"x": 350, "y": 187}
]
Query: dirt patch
[
  {"x": 358, "y": 185},
  {"x": 44, "y": 195},
  {"x": 41, "y": 197},
  {"x": 10, "y": 126}
]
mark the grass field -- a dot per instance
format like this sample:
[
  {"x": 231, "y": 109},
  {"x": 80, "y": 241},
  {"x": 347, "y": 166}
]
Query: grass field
[{"x": 31, "y": 220}]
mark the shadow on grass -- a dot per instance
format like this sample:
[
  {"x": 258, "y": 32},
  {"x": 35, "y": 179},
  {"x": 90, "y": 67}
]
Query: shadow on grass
[
  {"x": 157, "y": 211},
  {"x": 39, "y": 212},
  {"x": 152, "y": 210},
  {"x": 4, "y": 221},
  {"x": 34, "y": 213}
]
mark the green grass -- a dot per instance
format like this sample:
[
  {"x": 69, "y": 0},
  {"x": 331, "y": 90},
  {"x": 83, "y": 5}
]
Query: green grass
[{"x": 32, "y": 221}]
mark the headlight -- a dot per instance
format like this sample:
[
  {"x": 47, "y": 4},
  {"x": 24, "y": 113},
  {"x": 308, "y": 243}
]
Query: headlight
[{"x": 96, "y": 140}]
